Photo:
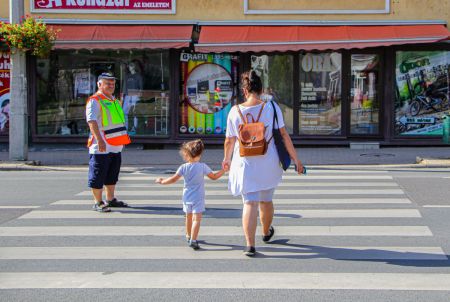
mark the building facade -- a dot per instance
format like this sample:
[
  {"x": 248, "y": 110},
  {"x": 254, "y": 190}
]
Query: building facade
[{"x": 342, "y": 71}]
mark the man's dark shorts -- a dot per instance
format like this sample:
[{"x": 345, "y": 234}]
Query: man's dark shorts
[{"x": 104, "y": 169}]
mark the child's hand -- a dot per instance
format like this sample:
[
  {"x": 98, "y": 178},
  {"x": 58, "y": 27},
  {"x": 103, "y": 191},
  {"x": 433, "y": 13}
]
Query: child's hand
[{"x": 159, "y": 180}]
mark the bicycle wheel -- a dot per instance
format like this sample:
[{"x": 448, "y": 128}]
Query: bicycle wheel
[
  {"x": 443, "y": 103},
  {"x": 414, "y": 108}
]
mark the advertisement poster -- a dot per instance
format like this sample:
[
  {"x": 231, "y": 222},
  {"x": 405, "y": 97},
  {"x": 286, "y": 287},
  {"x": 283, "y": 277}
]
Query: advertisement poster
[
  {"x": 104, "y": 6},
  {"x": 422, "y": 86},
  {"x": 81, "y": 79},
  {"x": 4, "y": 92},
  {"x": 208, "y": 84},
  {"x": 320, "y": 94}
]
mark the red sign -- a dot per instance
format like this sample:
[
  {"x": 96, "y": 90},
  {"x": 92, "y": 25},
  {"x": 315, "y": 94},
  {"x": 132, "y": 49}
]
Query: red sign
[
  {"x": 104, "y": 6},
  {"x": 4, "y": 92}
]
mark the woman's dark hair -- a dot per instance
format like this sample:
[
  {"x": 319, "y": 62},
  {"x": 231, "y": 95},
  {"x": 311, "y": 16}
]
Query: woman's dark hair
[{"x": 251, "y": 82}]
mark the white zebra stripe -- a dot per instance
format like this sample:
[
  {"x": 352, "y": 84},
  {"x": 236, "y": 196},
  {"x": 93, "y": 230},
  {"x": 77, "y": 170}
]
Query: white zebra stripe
[
  {"x": 232, "y": 280},
  {"x": 222, "y": 252},
  {"x": 213, "y": 231},
  {"x": 349, "y": 213}
]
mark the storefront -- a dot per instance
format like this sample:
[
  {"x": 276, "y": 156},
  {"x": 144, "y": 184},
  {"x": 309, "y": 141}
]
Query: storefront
[{"x": 385, "y": 81}]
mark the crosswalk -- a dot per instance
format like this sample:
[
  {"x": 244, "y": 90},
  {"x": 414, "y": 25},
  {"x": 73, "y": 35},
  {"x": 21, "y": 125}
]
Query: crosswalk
[{"x": 351, "y": 224}]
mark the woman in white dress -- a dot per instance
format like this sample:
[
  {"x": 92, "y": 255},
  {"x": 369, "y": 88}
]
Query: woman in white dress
[{"x": 256, "y": 177}]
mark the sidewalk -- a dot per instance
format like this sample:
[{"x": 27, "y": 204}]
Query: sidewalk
[{"x": 136, "y": 158}]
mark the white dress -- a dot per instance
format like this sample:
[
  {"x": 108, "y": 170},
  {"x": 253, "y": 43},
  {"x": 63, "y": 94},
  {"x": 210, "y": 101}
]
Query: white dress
[{"x": 254, "y": 173}]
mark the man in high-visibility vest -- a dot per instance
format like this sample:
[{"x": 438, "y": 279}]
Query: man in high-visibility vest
[{"x": 106, "y": 121}]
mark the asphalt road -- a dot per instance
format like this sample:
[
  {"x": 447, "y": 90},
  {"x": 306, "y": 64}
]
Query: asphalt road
[{"x": 341, "y": 235}]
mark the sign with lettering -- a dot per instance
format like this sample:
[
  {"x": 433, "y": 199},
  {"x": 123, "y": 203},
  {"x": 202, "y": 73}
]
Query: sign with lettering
[
  {"x": 4, "y": 92},
  {"x": 104, "y": 6}
]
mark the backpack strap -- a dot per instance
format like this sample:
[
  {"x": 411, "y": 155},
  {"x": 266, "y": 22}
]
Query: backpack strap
[
  {"x": 240, "y": 113},
  {"x": 260, "y": 111}
]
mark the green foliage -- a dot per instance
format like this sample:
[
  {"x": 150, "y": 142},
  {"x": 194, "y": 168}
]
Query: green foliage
[{"x": 29, "y": 35}]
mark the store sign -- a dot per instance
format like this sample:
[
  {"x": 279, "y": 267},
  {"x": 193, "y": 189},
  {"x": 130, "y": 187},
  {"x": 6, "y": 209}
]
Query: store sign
[
  {"x": 5, "y": 74},
  {"x": 104, "y": 6},
  {"x": 317, "y": 7}
]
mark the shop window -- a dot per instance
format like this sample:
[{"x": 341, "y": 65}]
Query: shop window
[
  {"x": 422, "y": 92},
  {"x": 365, "y": 106},
  {"x": 4, "y": 92},
  {"x": 276, "y": 72},
  {"x": 68, "y": 78},
  {"x": 208, "y": 91},
  {"x": 320, "y": 94}
]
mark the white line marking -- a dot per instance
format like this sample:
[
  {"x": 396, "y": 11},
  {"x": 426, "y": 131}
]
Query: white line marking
[
  {"x": 221, "y": 252},
  {"x": 126, "y": 214},
  {"x": 213, "y": 231},
  {"x": 297, "y": 177},
  {"x": 19, "y": 207},
  {"x": 436, "y": 206},
  {"x": 239, "y": 280},
  {"x": 298, "y": 184},
  {"x": 238, "y": 201},
  {"x": 277, "y": 192}
]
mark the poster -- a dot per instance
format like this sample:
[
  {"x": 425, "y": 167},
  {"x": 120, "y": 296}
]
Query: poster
[
  {"x": 422, "y": 92},
  {"x": 4, "y": 92},
  {"x": 208, "y": 85},
  {"x": 320, "y": 94},
  {"x": 81, "y": 79}
]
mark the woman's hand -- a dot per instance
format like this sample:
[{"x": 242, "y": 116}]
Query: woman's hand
[
  {"x": 226, "y": 163},
  {"x": 299, "y": 166},
  {"x": 159, "y": 180}
]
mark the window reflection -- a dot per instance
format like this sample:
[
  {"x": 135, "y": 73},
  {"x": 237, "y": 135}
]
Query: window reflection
[
  {"x": 276, "y": 72},
  {"x": 364, "y": 99},
  {"x": 68, "y": 78}
]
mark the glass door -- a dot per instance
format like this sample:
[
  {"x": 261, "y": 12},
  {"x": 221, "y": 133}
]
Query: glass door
[{"x": 364, "y": 96}]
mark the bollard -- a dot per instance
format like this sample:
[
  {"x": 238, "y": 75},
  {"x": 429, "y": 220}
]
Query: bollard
[{"x": 446, "y": 129}]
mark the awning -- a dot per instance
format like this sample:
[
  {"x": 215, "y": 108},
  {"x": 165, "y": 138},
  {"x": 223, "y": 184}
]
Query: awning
[
  {"x": 293, "y": 38},
  {"x": 122, "y": 36}
]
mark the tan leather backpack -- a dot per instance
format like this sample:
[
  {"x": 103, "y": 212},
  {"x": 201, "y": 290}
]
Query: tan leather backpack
[{"x": 252, "y": 141}]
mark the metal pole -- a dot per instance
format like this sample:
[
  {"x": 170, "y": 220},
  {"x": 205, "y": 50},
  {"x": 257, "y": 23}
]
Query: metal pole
[{"x": 18, "y": 116}]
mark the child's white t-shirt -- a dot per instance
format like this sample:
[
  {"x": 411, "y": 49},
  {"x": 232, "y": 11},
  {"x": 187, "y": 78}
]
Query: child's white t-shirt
[{"x": 194, "y": 181}]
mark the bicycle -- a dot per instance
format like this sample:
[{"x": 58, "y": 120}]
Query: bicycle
[{"x": 437, "y": 102}]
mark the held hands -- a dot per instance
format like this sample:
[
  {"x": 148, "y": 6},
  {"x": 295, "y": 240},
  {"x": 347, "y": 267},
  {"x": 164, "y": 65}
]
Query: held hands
[{"x": 226, "y": 165}]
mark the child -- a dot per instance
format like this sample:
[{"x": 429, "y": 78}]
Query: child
[{"x": 193, "y": 172}]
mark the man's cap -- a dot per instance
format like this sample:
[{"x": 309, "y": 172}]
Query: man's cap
[{"x": 106, "y": 76}]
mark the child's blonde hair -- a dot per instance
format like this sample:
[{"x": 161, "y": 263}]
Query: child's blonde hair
[{"x": 192, "y": 149}]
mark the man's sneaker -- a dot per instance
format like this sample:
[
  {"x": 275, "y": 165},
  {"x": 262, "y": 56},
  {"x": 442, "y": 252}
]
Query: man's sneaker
[
  {"x": 266, "y": 238},
  {"x": 101, "y": 207},
  {"x": 117, "y": 203},
  {"x": 194, "y": 244},
  {"x": 250, "y": 251}
]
